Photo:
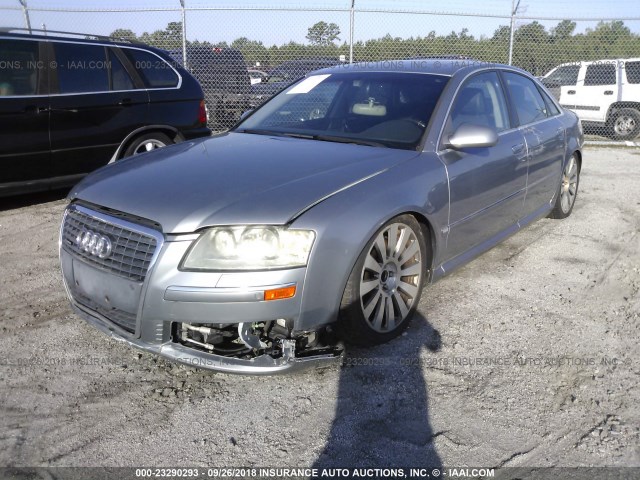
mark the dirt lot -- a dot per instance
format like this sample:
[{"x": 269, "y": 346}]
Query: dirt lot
[{"x": 528, "y": 356}]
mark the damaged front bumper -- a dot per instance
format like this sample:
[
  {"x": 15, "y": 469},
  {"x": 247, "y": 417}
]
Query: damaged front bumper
[
  {"x": 260, "y": 365},
  {"x": 215, "y": 321}
]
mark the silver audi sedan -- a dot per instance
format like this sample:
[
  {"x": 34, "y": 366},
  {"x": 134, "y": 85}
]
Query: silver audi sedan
[{"x": 320, "y": 216}]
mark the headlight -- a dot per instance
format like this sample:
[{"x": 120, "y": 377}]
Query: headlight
[{"x": 249, "y": 248}]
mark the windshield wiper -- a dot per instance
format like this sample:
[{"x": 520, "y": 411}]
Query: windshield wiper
[
  {"x": 356, "y": 141},
  {"x": 258, "y": 131},
  {"x": 307, "y": 136}
]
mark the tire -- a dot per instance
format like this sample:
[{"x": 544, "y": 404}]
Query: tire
[
  {"x": 378, "y": 303},
  {"x": 568, "y": 190},
  {"x": 625, "y": 124},
  {"x": 146, "y": 143}
]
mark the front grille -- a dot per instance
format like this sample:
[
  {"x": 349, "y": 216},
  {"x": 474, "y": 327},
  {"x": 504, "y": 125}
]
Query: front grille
[
  {"x": 131, "y": 251},
  {"x": 125, "y": 320}
]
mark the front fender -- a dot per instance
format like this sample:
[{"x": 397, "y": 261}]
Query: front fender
[{"x": 345, "y": 222}]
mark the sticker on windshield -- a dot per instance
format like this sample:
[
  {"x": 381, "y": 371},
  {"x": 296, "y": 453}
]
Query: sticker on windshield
[{"x": 308, "y": 84}]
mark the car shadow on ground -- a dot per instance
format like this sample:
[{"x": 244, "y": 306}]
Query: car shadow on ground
[
  {"x": 28, "y": 199},
  {"x": 382, "y": 414}
]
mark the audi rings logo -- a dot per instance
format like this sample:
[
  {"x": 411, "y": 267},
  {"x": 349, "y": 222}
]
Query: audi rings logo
[{"x": 94, "y": 243}]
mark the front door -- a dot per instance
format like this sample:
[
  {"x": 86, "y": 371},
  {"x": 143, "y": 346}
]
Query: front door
[{"x": 487, "y": 185}]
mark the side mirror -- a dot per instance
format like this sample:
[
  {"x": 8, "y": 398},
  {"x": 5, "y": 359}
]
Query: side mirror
[
  {"x": 246, "y": 113},
  {"x": 472, "y": 136}
]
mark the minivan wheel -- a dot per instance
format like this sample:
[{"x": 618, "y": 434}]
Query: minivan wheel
[
  {"x": 385, "y": 284},
  {"x": 625, "y": 124},
  {"x": 146, "y": 143},
  {"x": 566, "y": 198}
]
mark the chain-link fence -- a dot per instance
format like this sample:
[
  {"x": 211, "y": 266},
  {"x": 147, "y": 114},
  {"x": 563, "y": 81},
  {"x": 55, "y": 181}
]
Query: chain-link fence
[{"x": 587, "y": 52}]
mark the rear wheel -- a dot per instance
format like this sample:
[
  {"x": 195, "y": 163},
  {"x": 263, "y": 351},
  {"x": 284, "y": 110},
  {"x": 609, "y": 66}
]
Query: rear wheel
[
  {"x": 385, "y": 285},
  {"x": 625, "y": 124},
  {"x": 566, "y": 197},
  {"x": 147, "y": 142}
]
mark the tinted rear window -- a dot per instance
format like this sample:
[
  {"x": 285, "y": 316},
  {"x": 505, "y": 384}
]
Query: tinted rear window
[
  {"x": 155, "y": 72},
  {"x": 81, "y": 68},
  {"x": 600, "y": 74},
  {"x": 633, "y": 72}
]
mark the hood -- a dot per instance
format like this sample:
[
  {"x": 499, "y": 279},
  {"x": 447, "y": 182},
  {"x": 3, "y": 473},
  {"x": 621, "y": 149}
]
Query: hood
[{"x": 233, "y": 179}]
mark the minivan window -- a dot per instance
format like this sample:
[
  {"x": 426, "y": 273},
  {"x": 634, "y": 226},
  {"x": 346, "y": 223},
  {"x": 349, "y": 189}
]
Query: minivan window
[
  {"x": 81, "y": 68},
  {"x": 526, "y": 97},
  {"x": 19, "y": 69},
  {"x": 633, "y": 72},
  {"x": 155, "y": 72},
  {"x": 600, "y": 74}
]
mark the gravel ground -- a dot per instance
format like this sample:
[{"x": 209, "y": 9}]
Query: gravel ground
[{"x": 528, "y": 356}]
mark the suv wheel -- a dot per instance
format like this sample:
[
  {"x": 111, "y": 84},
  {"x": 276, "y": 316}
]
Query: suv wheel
[
  {"x": 146, "y": 143},
  {"x": 625, "y": 124}
]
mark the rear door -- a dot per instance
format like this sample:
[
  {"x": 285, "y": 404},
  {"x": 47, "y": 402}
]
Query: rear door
[
  {"x": 545, "y": 140},
  {"x": 95, "y": 107},
  {"x": 24, "y": 116}
]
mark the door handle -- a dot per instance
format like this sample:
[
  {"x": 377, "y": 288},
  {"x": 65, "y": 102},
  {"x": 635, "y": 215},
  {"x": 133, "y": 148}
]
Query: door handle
[
  {"x": 608, "y": 92},
  {"x": 518, "y": 148},
  {"x": 571, "y": 92},
  {"x": 125, "y": 102}
]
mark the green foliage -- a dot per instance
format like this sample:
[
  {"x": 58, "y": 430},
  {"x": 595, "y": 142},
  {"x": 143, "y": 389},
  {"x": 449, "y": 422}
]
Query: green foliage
[
  {"x": 323, "y": 34},
  {"x": 535, "y": 49}
]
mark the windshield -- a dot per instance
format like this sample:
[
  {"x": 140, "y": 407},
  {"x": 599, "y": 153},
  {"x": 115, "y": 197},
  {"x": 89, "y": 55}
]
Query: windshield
[{"x": 380, "y": 109}]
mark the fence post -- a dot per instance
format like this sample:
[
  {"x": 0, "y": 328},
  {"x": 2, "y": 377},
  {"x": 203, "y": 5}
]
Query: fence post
[
  {"x": 352, "y": 15},
  {"x": 514, "y": 10},
  {"x": 184, "y": 35},
  {"x": 25, "y": 12}
]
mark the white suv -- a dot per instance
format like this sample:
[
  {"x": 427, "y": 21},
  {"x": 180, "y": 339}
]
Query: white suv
[{"x": 604, "y": 94}]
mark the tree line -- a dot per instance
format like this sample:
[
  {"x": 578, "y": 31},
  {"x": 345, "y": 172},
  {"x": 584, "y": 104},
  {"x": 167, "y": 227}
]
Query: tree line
[{"x": 536, "y": 49}]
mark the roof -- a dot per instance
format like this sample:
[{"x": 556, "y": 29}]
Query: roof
[{"x": 440, "y": 66}]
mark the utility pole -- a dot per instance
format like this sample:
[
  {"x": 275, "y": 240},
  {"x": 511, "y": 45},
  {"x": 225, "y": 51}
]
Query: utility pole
[
  {"x": 25, "y": 12},
  {"x": 184, "y": 35},
  {"x": 514, "y": 11},
  {"x": 352, "y": 15}
]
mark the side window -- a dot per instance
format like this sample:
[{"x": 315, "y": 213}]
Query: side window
[
  {"x": 155, "y": 72},
  {"x": 600, "y": 74},
  {"x": 19, "y": 67},
  {"x": 526, "y": 98},
  {"x": 81, "y": 68},
  {"x": 633, "y": 72},
  {"x": 551, "y": 107},
  {"x": 567, "y": 75},
  {"x": 480, "y": 101},
  {"x": 120, "y": 79}
]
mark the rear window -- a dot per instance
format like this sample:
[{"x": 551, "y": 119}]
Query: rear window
[
  {"x": 633, "y": 72},
  {"x": 19, "y": 72},
  {"x": 81, "y": 68},
  {"x": 600, "y": 74},
  {"x": 155, "y": 72}
]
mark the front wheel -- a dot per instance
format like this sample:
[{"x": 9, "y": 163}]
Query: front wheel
[
  {"x": 566, "y": 197},
  {"x": 625, "y": 124},
  {"x": 384, "y": 287}
]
